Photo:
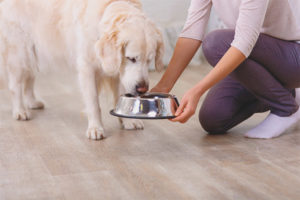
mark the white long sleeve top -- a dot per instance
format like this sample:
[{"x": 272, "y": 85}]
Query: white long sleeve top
[{"x": 249, "y": 18}]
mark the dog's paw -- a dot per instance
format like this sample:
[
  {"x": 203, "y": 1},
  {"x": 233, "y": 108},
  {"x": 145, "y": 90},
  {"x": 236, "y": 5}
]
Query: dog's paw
[
  {"x": 34, "y": 105},
  {"x": 132, "y": 124},
  {"x": 95, "y": 133},
  {"x": 21, "y": 115}
]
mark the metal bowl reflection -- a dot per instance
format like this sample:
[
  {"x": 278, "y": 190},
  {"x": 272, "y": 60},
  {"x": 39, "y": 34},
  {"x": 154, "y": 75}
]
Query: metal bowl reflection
[{"x": 147, "y": 106}]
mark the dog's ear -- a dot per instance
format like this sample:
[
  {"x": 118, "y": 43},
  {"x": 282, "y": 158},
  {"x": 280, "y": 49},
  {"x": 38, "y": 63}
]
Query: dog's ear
[
  {"x": 136, "y": 3},
  {"x": 159, "y": 65},
  {"x": 109, "y": 47},
  {"x": 109, "y": 52}
]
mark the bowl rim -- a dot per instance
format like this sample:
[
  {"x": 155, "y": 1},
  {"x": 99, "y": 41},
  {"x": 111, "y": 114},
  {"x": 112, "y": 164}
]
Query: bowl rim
[
  {"x": 167, "y": 96},
  {"x": 112, "y": 112}
]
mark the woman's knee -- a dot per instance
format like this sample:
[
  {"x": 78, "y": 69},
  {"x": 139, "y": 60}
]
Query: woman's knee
[
  {"x": 216, "y": 43},
  {"x": 210, "y": 122}
]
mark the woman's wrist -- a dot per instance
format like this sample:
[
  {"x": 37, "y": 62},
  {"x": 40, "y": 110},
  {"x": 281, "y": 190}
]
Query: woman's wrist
[
  {"x": 199, "y": 89},
  {"x": 164, "y": 87},
  {"x": 160, "y": 87}
]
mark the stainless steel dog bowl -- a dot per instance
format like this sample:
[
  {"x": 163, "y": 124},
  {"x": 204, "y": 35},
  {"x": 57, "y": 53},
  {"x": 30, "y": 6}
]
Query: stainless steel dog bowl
[{"x": 147, "y": 106}]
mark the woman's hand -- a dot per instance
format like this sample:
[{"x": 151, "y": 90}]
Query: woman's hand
[
  {"x": 229, "y": 62},
  {"x": 183, "y": 53},
  {"x": 187, "y": 106},
  {"x": 160, "y": 89}
]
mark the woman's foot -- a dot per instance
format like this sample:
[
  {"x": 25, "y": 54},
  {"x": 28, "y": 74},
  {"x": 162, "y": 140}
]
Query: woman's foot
[
  {"x": 297, "y": 96},
  {"x": 273, "y": 126}
]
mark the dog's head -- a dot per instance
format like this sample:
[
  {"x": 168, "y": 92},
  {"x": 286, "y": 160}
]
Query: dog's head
[{"x": 128, "y": 44}]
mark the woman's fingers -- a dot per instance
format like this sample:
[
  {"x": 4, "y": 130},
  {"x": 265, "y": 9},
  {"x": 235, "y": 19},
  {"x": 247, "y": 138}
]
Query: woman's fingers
[
  {"x": 158, "y": 88},
  {"x": 183, "y": 113},
  {"x": 179, "y": 110},
  {"x": 187, "y": 107},
  {"x": 154, "y": 90},
  {"x": 181, "y": 107},
  {"x": 184, "y": 116}
]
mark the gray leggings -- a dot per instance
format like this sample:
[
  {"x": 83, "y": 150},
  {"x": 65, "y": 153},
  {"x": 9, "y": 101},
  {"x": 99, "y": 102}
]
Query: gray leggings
[{"x": 264, "y": 81}]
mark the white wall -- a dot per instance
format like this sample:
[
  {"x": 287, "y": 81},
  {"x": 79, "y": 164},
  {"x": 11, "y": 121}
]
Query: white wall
[
  {"x": 170, "y": 16},
  {"x": 166, "y": 12}
]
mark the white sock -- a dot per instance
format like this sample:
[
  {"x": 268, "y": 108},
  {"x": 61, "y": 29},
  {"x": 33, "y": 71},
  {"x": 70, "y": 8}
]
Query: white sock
[
  {"x": 297, "y": 97},
  {"x": 273, "y": 126}
]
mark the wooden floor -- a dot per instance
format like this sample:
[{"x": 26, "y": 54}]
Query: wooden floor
[{"x": 49, "y": 157}]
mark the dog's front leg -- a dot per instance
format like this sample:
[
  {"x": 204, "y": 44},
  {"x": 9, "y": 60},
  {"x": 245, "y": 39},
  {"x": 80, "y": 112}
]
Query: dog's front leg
[{"x": 87, "y": 78}]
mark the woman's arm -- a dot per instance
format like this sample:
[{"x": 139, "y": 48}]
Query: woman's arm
[
  {"x": 185, "y": 50},
  {"x": 229, "y": 62},
  {"x": 251, "y": 17},
  {"x": 188, "y": 43}
]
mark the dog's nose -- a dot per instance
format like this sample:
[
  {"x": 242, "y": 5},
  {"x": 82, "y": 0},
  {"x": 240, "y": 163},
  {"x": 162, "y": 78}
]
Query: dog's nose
[{"x": 142, "y": 87}]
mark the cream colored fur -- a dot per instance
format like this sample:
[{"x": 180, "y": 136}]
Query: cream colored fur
[{"x": 100, "y": 38}]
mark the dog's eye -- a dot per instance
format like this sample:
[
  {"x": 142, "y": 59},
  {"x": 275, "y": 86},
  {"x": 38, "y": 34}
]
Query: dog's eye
[{"x": 133, "y": 60}]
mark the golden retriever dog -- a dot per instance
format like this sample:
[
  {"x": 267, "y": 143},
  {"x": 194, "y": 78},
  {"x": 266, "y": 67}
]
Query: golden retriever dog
[{"x": 106, "y": 40}]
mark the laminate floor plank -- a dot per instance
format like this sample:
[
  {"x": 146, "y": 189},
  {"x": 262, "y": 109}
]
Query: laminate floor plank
[{"x": 49, "y": 157}]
